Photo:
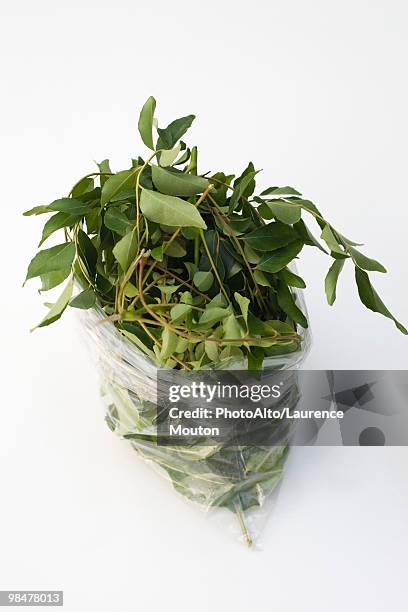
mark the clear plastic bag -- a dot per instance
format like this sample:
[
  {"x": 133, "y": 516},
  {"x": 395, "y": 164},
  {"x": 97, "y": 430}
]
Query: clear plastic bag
[{"x": 237, "y": 482}]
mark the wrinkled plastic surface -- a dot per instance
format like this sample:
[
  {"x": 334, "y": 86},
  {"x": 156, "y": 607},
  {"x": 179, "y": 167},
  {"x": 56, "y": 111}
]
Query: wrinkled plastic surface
[{"x": 238, "y": 482}]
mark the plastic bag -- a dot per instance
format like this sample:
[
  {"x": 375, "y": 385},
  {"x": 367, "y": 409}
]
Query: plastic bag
[{"x": 235, "y": 481}]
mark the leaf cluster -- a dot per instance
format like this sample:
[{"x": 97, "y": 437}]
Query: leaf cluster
[{"x": 195, "y": 270}]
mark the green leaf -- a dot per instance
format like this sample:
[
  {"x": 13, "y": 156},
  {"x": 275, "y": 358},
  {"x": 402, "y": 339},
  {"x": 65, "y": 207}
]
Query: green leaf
[
  {"x": 280, "y": 191},
  {"x": 213, "y": 315},
  {"x": 37, "y": 210},
  {"x": 271, "y": 237},
  {"x": 278, "y": 326},
  {"x": 240, "y": 189},
  {"x": 372, "y": 300},
  {"x": 203, "y": 280},
  {"x": 166, "y": 158},
  {"x": 211, "y": 350},
  {"x": 169, "y": 210},
  {"x": 84, "y": 300},
  {"x": 330, "y": 282},
  {"x": 244, "y": 305},
  {"x": 104, "y": 167},
  {"x": 125, "y": 250},
  {"x": 56, "y": 222},
  {"x": 365, "y": 262},
  {"x": 158, "y": 253},
  {"x": 130, "y": 290},
  {"x": 114, "y": 219},
  {"x": 117, "y": 183},
  {"x": 330, "y": 239},
  {"x": 145, "y": 124},
  {"x": 182, "y": 344},
  {"x": 251, "y": 255},
  {"x": 58, "y": 308},
  {"x": 218, "y": 300},
  {"x": 285, "y": 212},
  {"x": 53, "y": 279},
  {"x": 175, "y": 249},
  {"x": 70, "y": 206},
  {"x": 57, "y": 258},
  {"x": 87, "y": 253},
  {"x": 179, "y": 313},
  {"x": 291, "y": 279},
  {"x": 261, "y": 279},
  {"x": 177, "y": 183},
  {"x": 232, "y": 329},
  {"x": 169, "y": 343},
  {"x": 306, "y": 235},
  {"x": 265, "y": 211},
  {"x": 255, "y": 358},
  {"x": 169, "y": 136},
  {"x": 140, "y": 343},
  {"x": 84, "y": 186},
  {"x": 275, "y": 261},
  {"x": 168, "y": 290},
  {"x": 348, "y": 241},
  {"x": 288, "y": 305}
]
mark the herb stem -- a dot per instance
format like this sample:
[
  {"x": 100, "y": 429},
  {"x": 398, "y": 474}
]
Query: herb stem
[
  {"x": 216, "y": 274},
  {"x": 242, "y": 524}
]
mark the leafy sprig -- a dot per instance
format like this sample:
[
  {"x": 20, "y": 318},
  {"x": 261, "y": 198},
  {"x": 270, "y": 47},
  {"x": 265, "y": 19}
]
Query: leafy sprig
[{"x": 212, "y": 237}]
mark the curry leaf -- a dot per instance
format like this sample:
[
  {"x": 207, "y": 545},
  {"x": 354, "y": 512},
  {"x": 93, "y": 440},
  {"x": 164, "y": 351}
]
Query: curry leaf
[
  {"x": 168, "y": 157},
  {"x": 331, "y": 240},
  {"x": 278, "y": 259},
  {"x": 288, "y": 305},
  {"x": 280, "y": 191},
  {"x": 213, "y": 315},
  {"x": 56, "y": 222},
  {"x": 116, "y": 220},
  {"x": 232, "y": 329},
  {"x": 372, "y": 300},
  {"x": 170, "y": 210},
  {"x": 84, "y": 300},
  {"x": 49, "y": 280},
  {"x": 57, "y": 258},
  {"x": 179, "y": 313},
  {"x": 285, "y": 211},
  {"x": 87, "y": 253},
  {"x": 125, "y": 250},
  {"x": 117, "y": 183},
  {"x": 365, "y": 262},
  {"x": 271, "y": 237},
  {"x": 146, "y": 122},
  {"x": 104, "y": 169},
  {"x": 169, "y": 343},
  {"x": 292, "y": 279},
  {"x": 203, "y": 280},
  {"x": 70, "y": 206},
  {"x": 169, "y": 136},
  {"x": 37, "y": 210},
  {"x": 330, "y": 282},
  {"x": 177, "y": 183},
  {"x": 58, "y": 308},
  {"x": 243, "y": 304},
  {"x": 240, "y": 189}
]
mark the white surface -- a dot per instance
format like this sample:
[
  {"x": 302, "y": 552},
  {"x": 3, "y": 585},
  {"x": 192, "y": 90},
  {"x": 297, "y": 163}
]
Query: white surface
[{"x": 315, "y": 94}]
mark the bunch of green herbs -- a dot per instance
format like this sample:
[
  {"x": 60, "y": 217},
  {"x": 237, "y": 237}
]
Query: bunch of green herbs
[{"x": 195, "y": 270}]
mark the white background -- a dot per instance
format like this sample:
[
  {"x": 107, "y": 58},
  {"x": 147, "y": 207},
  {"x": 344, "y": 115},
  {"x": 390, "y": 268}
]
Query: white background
[{"x": 315, "y": 93}]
